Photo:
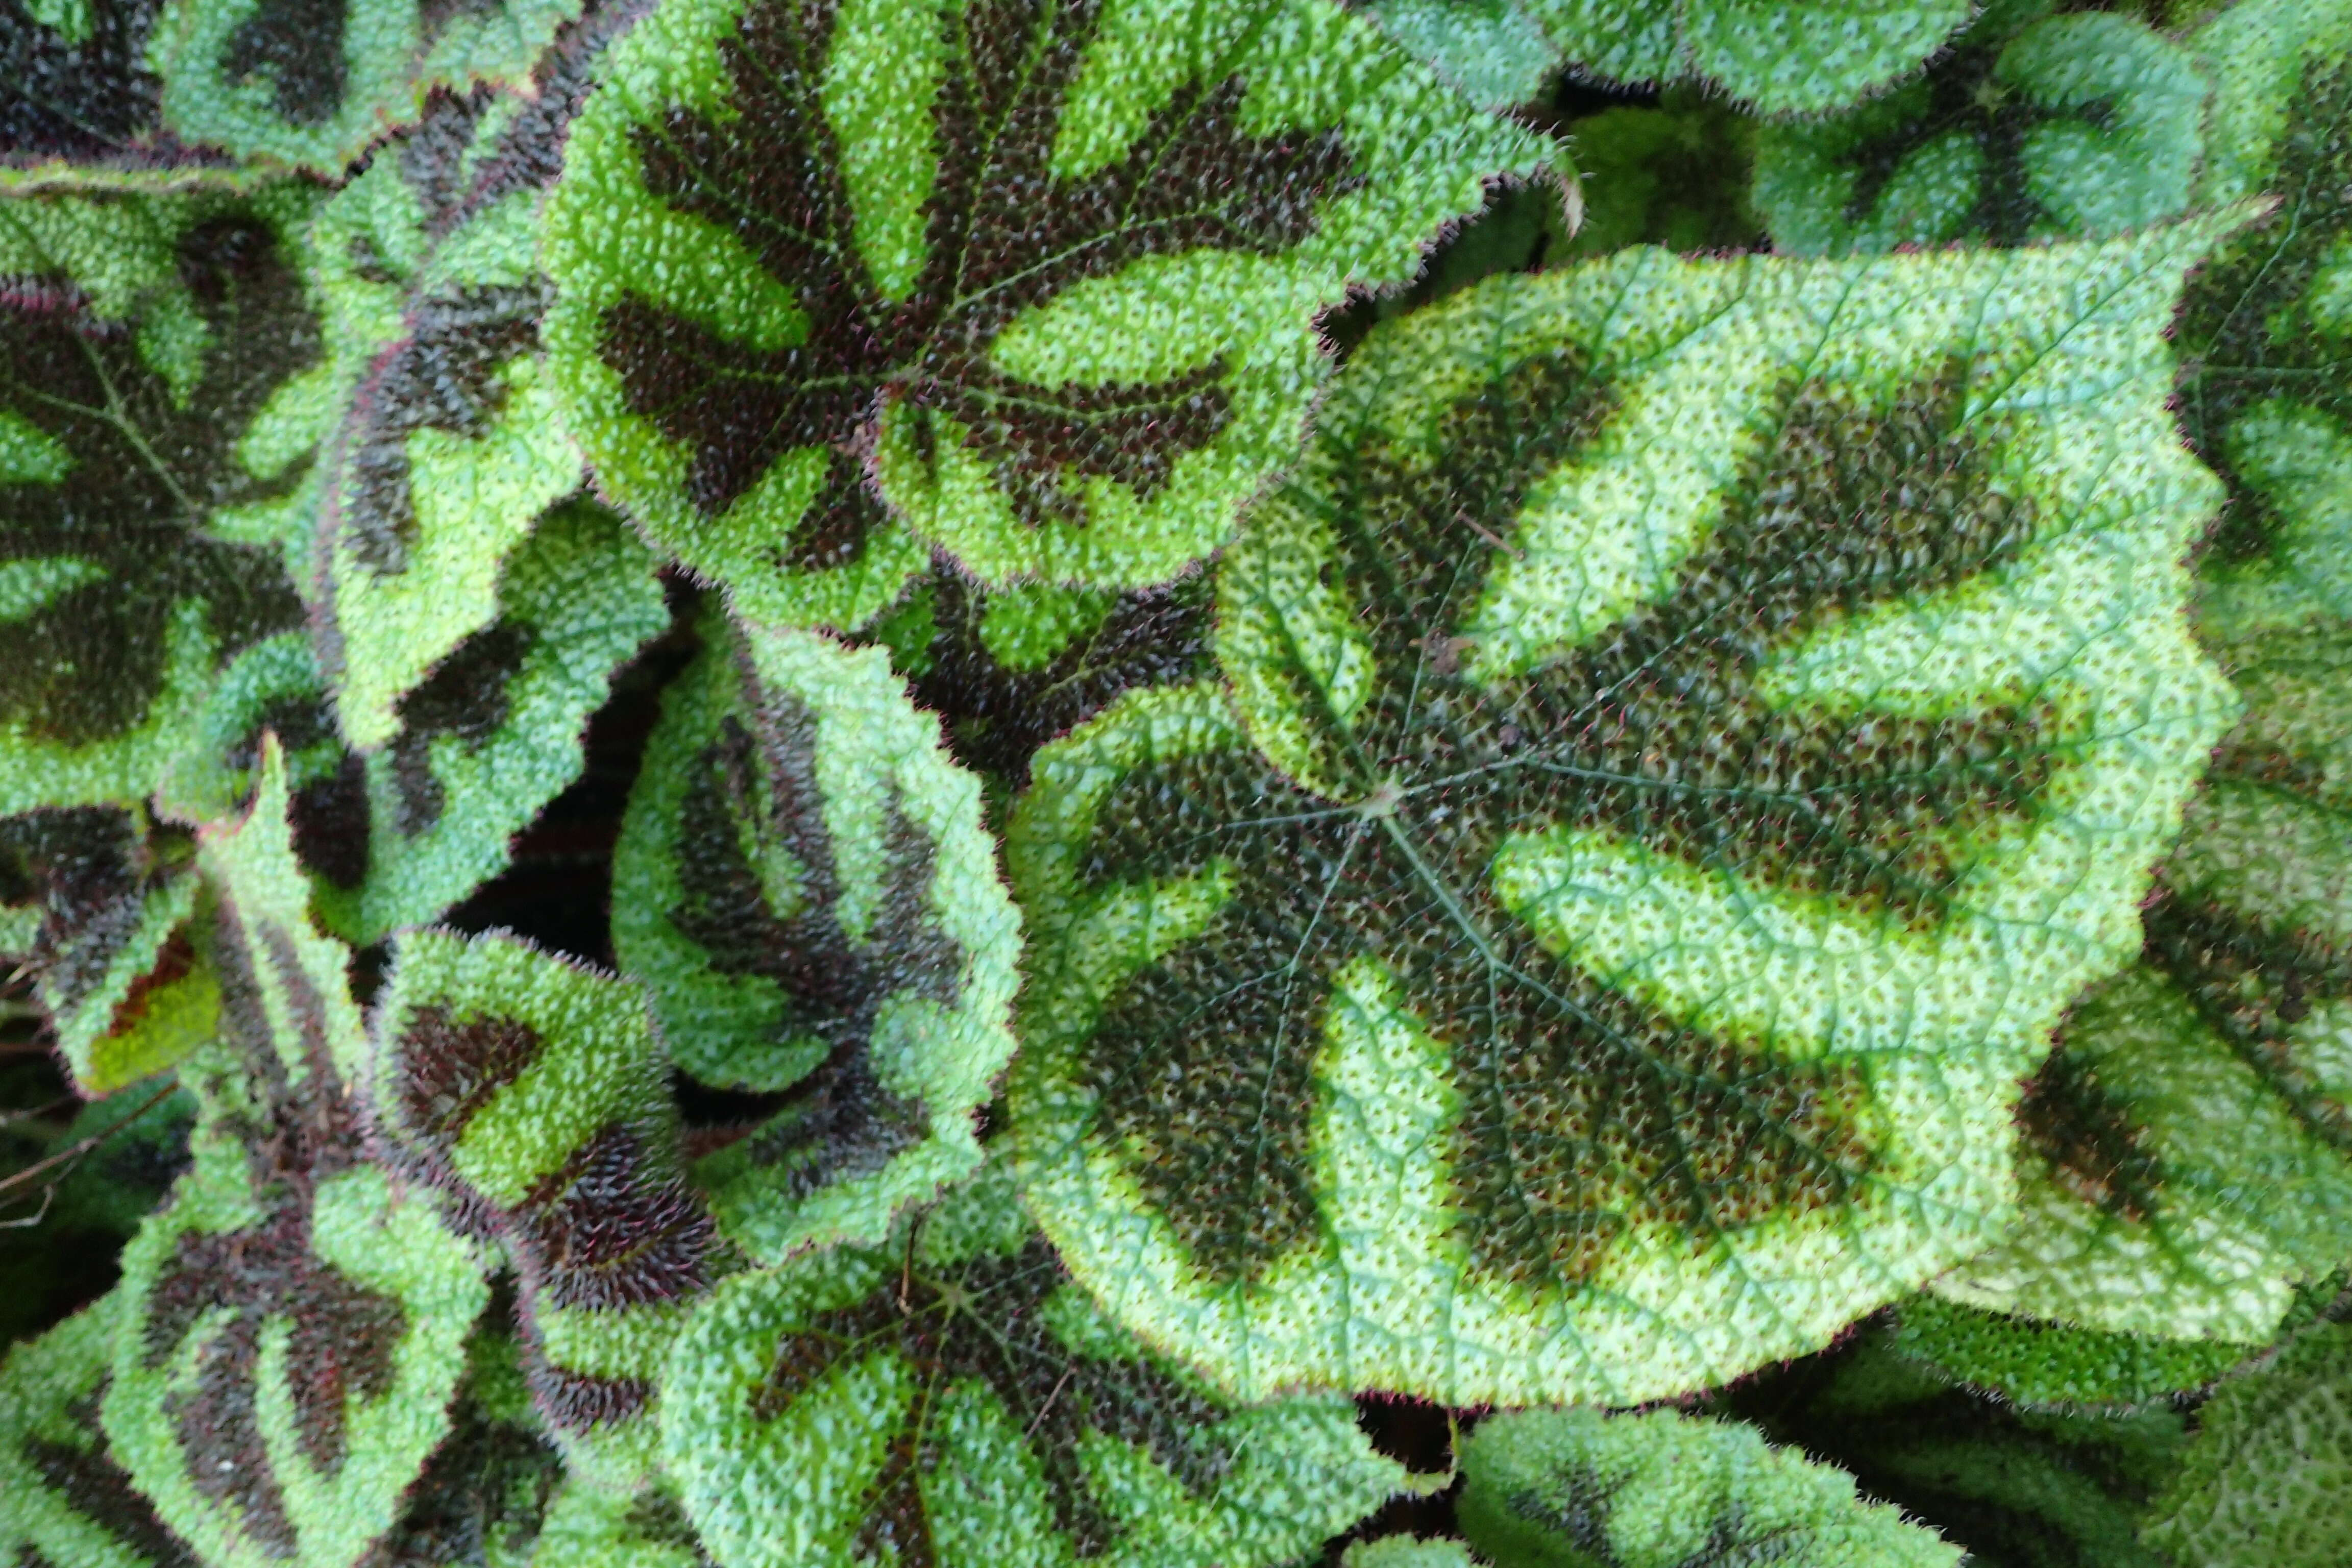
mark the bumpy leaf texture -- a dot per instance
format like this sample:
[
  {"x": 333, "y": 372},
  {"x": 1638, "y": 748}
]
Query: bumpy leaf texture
[
  {"x": 310, "y": 83},
  {"x": 2044, "y": 1365},
  {"x": 1663, "y": 1489},
  {"x": 485, "y": 1497},
  {"x": 2269, "y": 1477},
  {"x": 533, "y": 1092},
  {"x": 1692, "y": 724},
  {"x": 293, "y": 1327},
  {"x": 2032, "y": 1488},
  {"x": 2192, "y": 1139},
  {"x": 2034, "y": 125},
  {"x": 153, "y": 408},
  {"x": 805, "y": 883},
  {"x": 1032, "y": 283},
  {"x": 1780, "y": 57},
  {"x": 79, "y": 101},
  {"x": 63, "y": 1502},
  {"x": 452, "y": 446},
  {"x": 494, "y": 733},
  {"x": 606, "y": 1527},
  {"x": 953, "y": 1400},
  {"x": 1406, "y": 1552}
]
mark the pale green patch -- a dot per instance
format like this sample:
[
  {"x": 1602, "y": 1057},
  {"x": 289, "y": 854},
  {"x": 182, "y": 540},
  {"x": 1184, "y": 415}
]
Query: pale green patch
[
  {"x": 2268, "y": 1479},
  {"x": 1571, "y": 1486},
  {"x": 1408, "y": 1552},
  {"x": 28, "y": 454},
  {"x": 107, "y": 1044},
  {"x": 1024, "y": 628}
]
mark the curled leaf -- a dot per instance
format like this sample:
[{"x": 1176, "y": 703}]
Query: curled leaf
[
  {"x": 1033, "y": 282},
  {"x": 1691, "y": 726}
]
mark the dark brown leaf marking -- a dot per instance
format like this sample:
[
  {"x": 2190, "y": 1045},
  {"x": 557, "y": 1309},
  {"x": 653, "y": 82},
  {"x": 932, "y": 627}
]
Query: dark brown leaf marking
[
  {"x": 297, "y": 45},
  {"x": 466, "y": 699}
]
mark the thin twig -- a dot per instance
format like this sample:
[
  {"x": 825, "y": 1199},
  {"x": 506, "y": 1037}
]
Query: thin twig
[{"x": 65, "y": 1156}]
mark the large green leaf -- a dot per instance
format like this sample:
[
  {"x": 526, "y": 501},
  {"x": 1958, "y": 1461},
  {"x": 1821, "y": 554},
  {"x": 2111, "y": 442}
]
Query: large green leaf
[
  {"x": 1707, "y": 718},
  {"x": 293, "y": 1325},
  {"x": 1576, "y": 1488},
  {"x": 1034, "y": 282},
  {"x": 2034, "y": 125},
  {"x": 63, "y": 1502},
  {"x": 953, "y": 1400},
  {"x": 806, "y": 885},
  {"x": 2269, "y": 1479},
  {"x": 1782, "y": 56},
  {"x": 534, "y": 1093},
  {"x": 157, "y": 389},
  {"x": 2192, "y": 1139}
]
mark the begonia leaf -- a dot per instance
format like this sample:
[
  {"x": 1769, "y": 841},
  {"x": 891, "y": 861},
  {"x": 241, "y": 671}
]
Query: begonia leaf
[
  {"x": 2044, "y": 1365},
  {"x": 1782, "y": 57},
  {"x": 611, "y": 1526},
  {"x": 2034, "y": 125},
  {"x": 2268, "y": 1479},
  {"x": 1578, "y": 1488},
  {"x": 1407, "y": 1551},
  {"x": 1033, "y": 282},
  {"x": 485, "y": 1496},
  {"x": 452, "y": 446},
  {"x": 309, "y": 85},
  {"x": 491, "y": 736},
  {"x": 155, "y": 391},
  {"x": 2192, "y": 1140},
  {"x": 63, "y": 1502},
  {"x": 953, "y": 1399},
  {"x": 293, "y": 1324},
  {"x": 805, "y": 884},
  {"x": 533, "y": 1092},
  {"x": 1691, "y": 727}
]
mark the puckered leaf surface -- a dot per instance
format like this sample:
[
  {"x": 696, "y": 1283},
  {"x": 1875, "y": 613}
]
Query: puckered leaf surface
[
  {"x": 1031, "y": 281},
  {"x": 2269, "y": 1477},
  {"x": 484, "y": 1499},
  {"x": 533, "y": 1092},
  {"x": 489, "y": 738},
  {"x": 1782, "y": 56},
  {"x": 310, "y": 85},
  {"x": 1707, "y": 718},
  {"x": 1406, "y": 1552},
  {"x": 292, "y": 1327},
  {"x": 805, "y": 885},
  {"x": 2033, "y": 125},
  {"x": 954, "y": 1400},
  {"x": 63, "y": 1502},
  {"x": 156, "y": 391},
  {"x": 609, "y": 1527},
  {"x": 2043, "y": 1365},
  {"x": 2193, "y": 1136},
  {"x": 1664, "y": 1490}
]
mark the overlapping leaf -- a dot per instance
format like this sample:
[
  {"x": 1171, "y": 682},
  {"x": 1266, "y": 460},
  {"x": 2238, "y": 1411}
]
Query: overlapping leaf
[
  {"x": 2085, "y": 123},
  {"x": 534, "y": 1093},
  {"x": 157, "y": 395},
  {"x": 952, "y": 1400},
  {"x": 1707, "y": 718},
  {"x": 606, "y": 1527},
  {"x": 2193, "y": 1135},
  {"x": 1663, "y": 1489},
  {"x": 2269, "y": 1477},
  {"x": 1031, "y": 281},
  {"x": 1676, "y": 175},
  {"x": 806, "y": 885},
  {"x": 1782, "y": 56},
  {"x": 485, "y": 1497},
  {"x": 2043, "y": 1365},
  {"x": 292, "y": 1327},
  {"x": 1407, "y": 1551},
  {"x": 63, "y": 1502}
]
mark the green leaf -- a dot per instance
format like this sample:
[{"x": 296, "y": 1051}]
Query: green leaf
[
  {"x": 293, "y": 1325},
  {"x": 953, "y": 1398},
  {"x": 1782, "y": 56},
  {"x": 452, "y": 446},
  {"x": 604, "y": 1527},
  {"x": 1492, "y": 51},
  {"x": 2191, "y": 1140},
  {"x": 2018, "y": 1487},
  {"x": 1708, "y": 717},
  {"x": 75, "y": 90},
  {"x": 1008, "y": 671},
  {"x": 533, "y": 1092},
  {"x": 63, "y": 1499},
  {"x": 805, "y": 885},
  {"x": 485, "y": 1496},
  {"x": 1676, "y": 175},
  {"x": 1405, "y": 1552},
  {"x": 492, "y": 735},
  {"x": 2051, "y": 1366},
  {"x": 108, "y": 948},
  {"x": 295, "y": 82},
  {"x": 1035, "y": 285},
  {"x": 1576, "y": 1488},
  {"x": 2085, "y": 124},
  {"x": 2269, "y": 1477},
  {"x": 155, "y": 388}
]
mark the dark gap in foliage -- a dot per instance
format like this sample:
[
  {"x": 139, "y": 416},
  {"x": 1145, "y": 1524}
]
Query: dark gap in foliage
[
  {"x": 558, "y": 889},
  {"x": 1420, "y": 1436}
]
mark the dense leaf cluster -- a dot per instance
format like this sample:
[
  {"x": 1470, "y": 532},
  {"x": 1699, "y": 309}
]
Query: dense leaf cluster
[{"x": 959, "y": 783}]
